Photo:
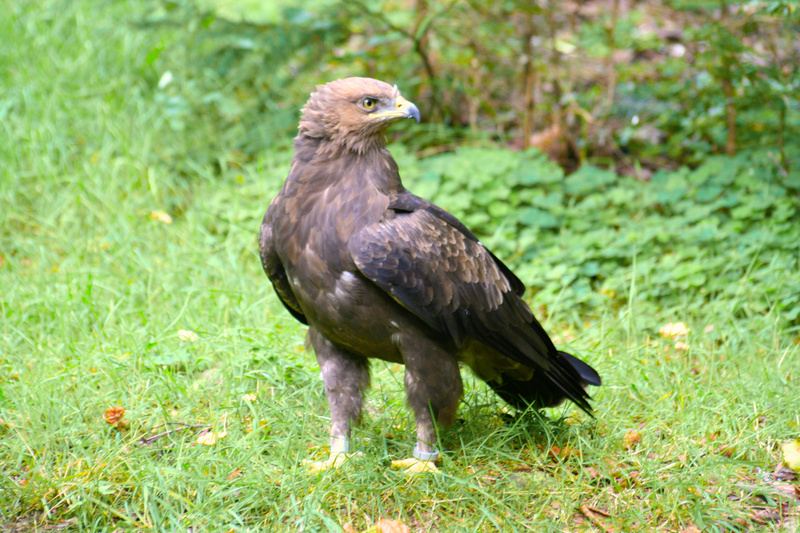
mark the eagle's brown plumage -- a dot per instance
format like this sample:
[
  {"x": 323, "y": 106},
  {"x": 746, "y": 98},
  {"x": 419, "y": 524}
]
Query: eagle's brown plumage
[{"x": 376, "y": 272}]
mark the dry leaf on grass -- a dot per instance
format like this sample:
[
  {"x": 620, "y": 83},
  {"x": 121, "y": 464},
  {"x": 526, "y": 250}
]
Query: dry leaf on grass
[
  {"x": 592, "y": 472},
  {"x": 726, "y": 450},
  {"x": 209, "y": 438},
  {"x": 784, "y": 473},
  {"x": 596, "y": 517},
  {"x": 348, "y": 528},
  {"x": 114, "y": 416},
  {"x": 631, "y": 439},
  {"x": 236, "y": 473},
  {"x": 791, "y": 454},
  {"x": 249, "y": 397},
  {"x": 160, "y": 216},
  {"x": 670, "y": 330},
  {"x": 186, "y": 335},
  {"x": 792, "y": 491},
  {"x": 691, "y": 529},
  {"x": 387, "y": 525},
  {"x": 765, "y": 516},
  {"x": 561, "y": 453}
]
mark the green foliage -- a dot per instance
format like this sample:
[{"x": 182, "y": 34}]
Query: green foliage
[
  {"x": 730, "y": 84},
  {"x": 227, "y": 81},
  {"x": 725, "y": 232},
  {"x": 724, "y": 78}
]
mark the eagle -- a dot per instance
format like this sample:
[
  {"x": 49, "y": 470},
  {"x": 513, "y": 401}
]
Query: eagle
[{"x": 376, "y": 272}]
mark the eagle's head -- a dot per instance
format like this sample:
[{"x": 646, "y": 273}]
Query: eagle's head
[{"x": 353, "y": 113}]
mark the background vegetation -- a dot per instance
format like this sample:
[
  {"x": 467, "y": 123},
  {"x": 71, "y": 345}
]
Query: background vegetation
[{"x": 636, "y": 163}]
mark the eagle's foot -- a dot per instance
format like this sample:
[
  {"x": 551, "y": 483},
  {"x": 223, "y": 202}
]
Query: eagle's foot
[
  {"x": 340, "y": 448},
  {"x": 421, "y": 463},
  {"x": 413, "y": 466}
]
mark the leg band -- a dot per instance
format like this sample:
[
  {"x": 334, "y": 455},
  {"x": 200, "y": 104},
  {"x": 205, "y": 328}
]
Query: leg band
[
  {"x": 425, "y": 456},
  {"x": 340, "y": 445}
]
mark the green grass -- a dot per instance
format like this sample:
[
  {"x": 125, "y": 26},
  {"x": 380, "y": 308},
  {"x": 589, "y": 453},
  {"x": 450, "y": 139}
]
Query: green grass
[{"x": 93, "y": 292}]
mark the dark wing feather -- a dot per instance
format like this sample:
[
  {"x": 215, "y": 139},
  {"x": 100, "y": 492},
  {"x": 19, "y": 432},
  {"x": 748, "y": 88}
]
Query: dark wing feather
[
  {"x": 434, "y": 267},
  {"x": 277, "y": 275},
  {"x": 406, "y": 202}
]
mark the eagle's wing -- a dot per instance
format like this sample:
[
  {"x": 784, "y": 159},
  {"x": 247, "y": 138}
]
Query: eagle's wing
[
  {"x": 276, "y": 273},
  {"x": 434, "y": 267}
]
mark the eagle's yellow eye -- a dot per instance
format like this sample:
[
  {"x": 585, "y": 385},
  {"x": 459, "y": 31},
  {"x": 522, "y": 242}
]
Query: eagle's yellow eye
[{"x": 368, "y": 103}]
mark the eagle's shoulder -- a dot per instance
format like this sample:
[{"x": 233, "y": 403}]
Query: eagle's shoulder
[{"x": 437, "y": 269}]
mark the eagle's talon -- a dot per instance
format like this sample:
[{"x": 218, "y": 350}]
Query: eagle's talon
[{"x": 414, "y": 466}]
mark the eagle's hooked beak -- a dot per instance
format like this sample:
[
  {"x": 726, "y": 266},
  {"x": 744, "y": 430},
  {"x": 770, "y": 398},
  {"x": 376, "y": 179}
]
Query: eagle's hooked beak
[
  {"x": 406, "y": 108},
  {"x": 403, "y": 109}
]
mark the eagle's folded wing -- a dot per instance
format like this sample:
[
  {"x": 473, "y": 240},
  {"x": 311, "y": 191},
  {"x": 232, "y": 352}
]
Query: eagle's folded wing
[{"x": 455, "y": 285}]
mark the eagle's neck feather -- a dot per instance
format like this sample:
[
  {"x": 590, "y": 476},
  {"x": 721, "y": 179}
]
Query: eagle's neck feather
[{"x": 372, "y": 164}]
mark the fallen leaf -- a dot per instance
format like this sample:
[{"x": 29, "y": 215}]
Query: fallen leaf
[
  {"x": 726, "y": 451},
  {"x": 209, "y": 378},
  {"x": 681, "y": 346},
  {"x": 670, "y": 330},
  {"x": 186, "y": 335},
  {"x": 209, "y": 438},
  {"x": 791, "y": 454},
  {"x": 113, "y": 415},
  {"x": 764, "y": 516},
  {"x": 236, "y": 473},
  {"x": 790, "y": 490},
  {"x": 561, "y": 453},
  {"x": 160, "y": 216},
  {"x": 631, "y": 439},
  {"x": 348, "y": 528},
  {"x": 595, "y": 515},
  {"x": 595, "y": 510},
  {"x": 690, "y": 529},
  {"x": 784, "y": 473},
  {"x": 592, "y": 472},
  {"x": 249, "y": 397},
  {"x": 387, "y": 525},
  {"x": 708, "y": 329}
]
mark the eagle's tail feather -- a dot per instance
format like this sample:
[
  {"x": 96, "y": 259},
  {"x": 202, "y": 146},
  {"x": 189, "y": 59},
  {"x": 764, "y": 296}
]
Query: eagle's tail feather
[
  {"x": 588, "y": 374},
  {"x": 541, "y": 390}
]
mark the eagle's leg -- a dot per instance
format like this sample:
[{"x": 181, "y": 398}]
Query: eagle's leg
[
  {"x": 346, "y": 377},
  {"x": 433, "y": 388}
]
